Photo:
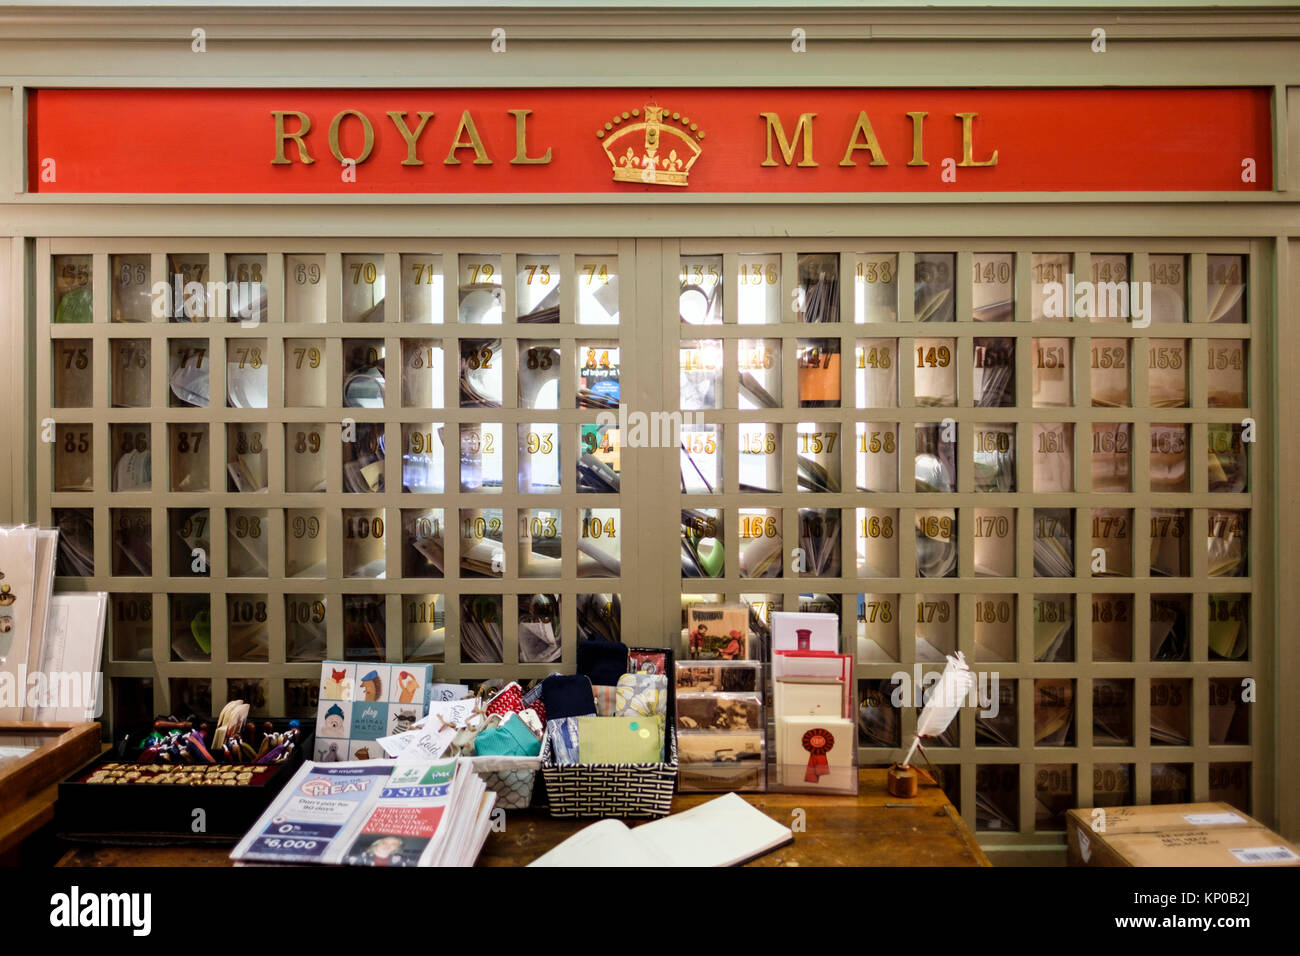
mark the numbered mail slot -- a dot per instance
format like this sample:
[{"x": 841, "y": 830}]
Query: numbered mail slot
[
  {"x": 1054, "y": 795},
  {"x": 1110, "y": 366},
  {"x": 363, "y": 288},
  {"x": 935, "y": 457},
  {"x": 73, "y": 458},
  {"x": 482, "y": 454},
  {"x": 700, "y": 459},
  {"x": 758, "y": 289},
  {"x": 1171, "y": 783},
  {"x": 875, "y": 287},
  {"x": 247, "y": 538},
  {"x": 878, "y": 718},
  {"x": 817, "y": 446},
  {"x": 820, "y": 534},
  {"x": 422, "y": 373},
  {"x": 995, "y": 457},
  {"x": 878, "y": 627},
  {"x": 701, "y": 290},
  {"x": 1114, "y": 269},
  {"x": 995, "y": 627},
  {"x": 936, "y": 626},
  {"x": 305, "y": 630},
  {"x": 131, "y": 459},
  {"x": 1225, "y": 380},
  {"x": 1053, "y": 445},
  {"x": 246, "y": 297},
  {"x": 703, "y": 549},
  {"x": 304, "y": 460},
  {"x": 876, "y": 456},
  {"x": 1226, "y": 458},
  {"x": 817, "y": 373},
  {"x": 1170, "y": 539},
  {"x": 1112, "y": 542},
  {"x": 539, "y": 628},
  {"x": 129, "y": 372},
  {"x": 480, "y": 373},
  {"x": 480, "y": 628},
  {"x": 997, "y": 797},
  {"x": 994, "y": 371},
  {"x": 933, "y": 296},
  {"x": 363, "y": 458},
  {"x": 363, "y": 543},
  {"x": 247, "y": 627},
  {"x": 482, "y": 551},
  {"x": 246, "y": 457},
  {"x": 1230, "y": 783},
  {"x": 1225, "y": 292},
  {"x": 76, "y": 551},
  {"x": 539, "y": 373},
  {"x": 424, "y": 628},
  {"x": 1054, "y": 705},
  {"x": 1054, "y": 542},
  {"x": 537, "y": 288},
  {"x": 1169, "y": 444},
  {"x": 186, "y": 296},
  {"x": 304, "y": 288},
  {"x": 760, "y": 542},
  {"x": 1171, "y": 711},
  {"x": 599, "y": 617},
  {"x": 189, "y": 368},
  {"x": 131, "y": 627},
  {"x": 130, "y": 298},
  {"x": 597, "y": 278},
  {"x": 422, "y": 288},
  {"x": 1112, "y": 712},
  {"x": 1229, "y": 616},
  {"x": 994, "y": 534},
  {"x": 190, "y": 542},
  {"x": 72, "y": 373},
  {"x": 189, "y": 445},
  {"x": 935, "y": 379},
  {"x": 481, "y": 298},
  {"x": 132, "y": 542},
  {"x": 1226, "y": 547},
  {"x": 540, "y": 537},
  {"x": 600, "y": 548},
  {"x": 539, "y": 458},
  {"x": 247, "y": 367},
  {"x": 190, "y": 627},
  {"x": 364, "y": 622},
  {"x": 1112, "y": 785},
  {"x": 422, "y": 542},
  {"x": 876, "y": 373},
  {"x": 1112, "y": 456},
  {"x": 1171, "y": 627},
  {"x": 72, "y": 292},
  {"x": 1112, "y": 627},
  {"x": 759, "y": 456},
  {"x": 1053, "y": 373},
  {"x": 304, "y": 543},
  {"x": 877, "y": 542},
  {"x": 999, "y": 729},
  {"x": 758, "y": 362},
  {"x": 700, "y": 374},
  {"x": 422, "y": 458},
  {"x": 1049, "y": 276},
  {"x": 1167, "y": 373},
  {"x": 993, "y": 287},
  {"x": 304, "y": 373},
  {"x": 817, "y": 292},
  {"x": 364, "y": 384},
  {"x": 1229, "y": 713},
  {"x": 1053, "y": 627}
]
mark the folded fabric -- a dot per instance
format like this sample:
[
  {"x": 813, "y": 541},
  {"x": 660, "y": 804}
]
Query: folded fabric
[
  {"x": 641, "y": 694},
  {"x": 509, "y": 700},
  {"x": 563, "y": 737},
  {"x": 567, "y": 695},
  {"x": 620, "y": 740},
  {"x": 606, "y": 699},
  {"x": 511, "y": 739},
  {"x": 602, "y": 661}
]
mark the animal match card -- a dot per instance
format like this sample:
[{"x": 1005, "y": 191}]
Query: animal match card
[{"x": 361, "y": 702}]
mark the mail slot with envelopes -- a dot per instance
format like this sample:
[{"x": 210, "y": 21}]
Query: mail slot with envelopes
[{"x": 1184, "y": 834}]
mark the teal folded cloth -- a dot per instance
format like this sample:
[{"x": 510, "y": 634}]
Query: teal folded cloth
[{"x": 511, "y": 739}]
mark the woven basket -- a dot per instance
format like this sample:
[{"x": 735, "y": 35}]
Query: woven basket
[
  {"x": 611, "y": 790},
  {"x": 510, "y": 778}
]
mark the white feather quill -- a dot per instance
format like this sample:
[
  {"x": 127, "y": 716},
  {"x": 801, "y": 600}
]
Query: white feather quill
[{"x": 945, "y": 699}]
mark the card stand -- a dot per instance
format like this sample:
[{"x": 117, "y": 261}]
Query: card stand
[
  {"x": 246, "y": 457},
  {"x": 611, "y": 790},
  {"x": 424, "y": 628},
  {"x": 363, "y": 288},
  {"x": 305, "y": 543},
  {"x": 817, "y": 370},
  {"x": 815, "y": 711},
  {"x": 875, "y": 288},
  {"x": 993, "y": 296},
  {"x": 363, "y": 543},
  {"x": 247, "y": 630},
  {"x": 1112, "y": 712},
  {"x": 721, "y": 743},
  {"x": 421, "y": 287},
  {"x": 101, "y": 803}
]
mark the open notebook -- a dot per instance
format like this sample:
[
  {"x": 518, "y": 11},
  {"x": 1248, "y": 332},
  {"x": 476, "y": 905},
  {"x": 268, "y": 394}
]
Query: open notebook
[{"x": 723, "y": 832}]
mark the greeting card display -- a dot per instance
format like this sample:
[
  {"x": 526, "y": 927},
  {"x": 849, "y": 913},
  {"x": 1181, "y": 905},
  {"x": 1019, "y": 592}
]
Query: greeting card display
[
  {"x": 362, "y": 702},
  {"x": 803, "y": 631},
  {"x": 718, "y": 631},
  {"x": 815, "y": 735}
]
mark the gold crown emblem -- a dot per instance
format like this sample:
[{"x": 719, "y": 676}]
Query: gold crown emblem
[
  {"x": 651, "y": 148},
  {"x": 7, "y": 597}
]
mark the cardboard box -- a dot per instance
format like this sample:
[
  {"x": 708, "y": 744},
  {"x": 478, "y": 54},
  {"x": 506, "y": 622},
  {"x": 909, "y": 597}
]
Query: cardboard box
[{"x": 1182, "y": 834}]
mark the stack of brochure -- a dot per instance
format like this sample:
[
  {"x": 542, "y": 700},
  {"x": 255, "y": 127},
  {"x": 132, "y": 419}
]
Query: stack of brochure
[{"x": 374, "y": 813}]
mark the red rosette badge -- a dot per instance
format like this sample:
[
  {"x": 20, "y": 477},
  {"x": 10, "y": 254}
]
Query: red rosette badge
[{"x": 818, "y": 742}]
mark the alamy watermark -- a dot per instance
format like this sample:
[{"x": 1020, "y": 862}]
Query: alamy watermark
[
  {"x": 1086, "y": 299},
  {"x": 53, "y": 690},
  {"x": 211, "y": 300},
  {"x": 916, "y": 690},
  {"x": 649, "y": 429}
]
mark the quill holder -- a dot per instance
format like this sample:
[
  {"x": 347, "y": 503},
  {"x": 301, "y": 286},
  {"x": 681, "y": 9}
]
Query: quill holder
[
  {"x": 904, "y": 781},
  {"x": 945, "y": 700}
]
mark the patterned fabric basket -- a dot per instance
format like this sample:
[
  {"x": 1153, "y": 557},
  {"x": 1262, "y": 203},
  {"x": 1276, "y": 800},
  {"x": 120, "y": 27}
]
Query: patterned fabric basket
[
  {"x": 510, "y": 778},
  {"x": 611, "y": 790}
]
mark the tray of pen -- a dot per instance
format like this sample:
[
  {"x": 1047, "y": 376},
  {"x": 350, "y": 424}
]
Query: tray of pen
[{"x": 182, "y": 780}]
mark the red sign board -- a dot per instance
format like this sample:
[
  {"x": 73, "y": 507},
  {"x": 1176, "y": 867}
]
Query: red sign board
[{"x": 669, "y": 141}]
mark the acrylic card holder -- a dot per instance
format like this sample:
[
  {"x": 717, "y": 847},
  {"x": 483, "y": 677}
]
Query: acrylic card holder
[{"x": 814, "y": 744}]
